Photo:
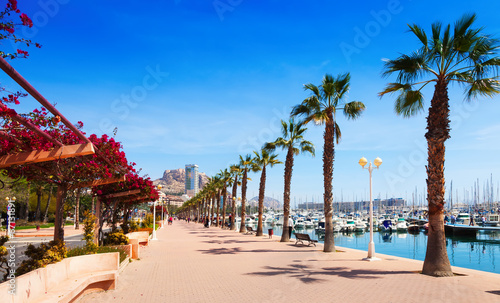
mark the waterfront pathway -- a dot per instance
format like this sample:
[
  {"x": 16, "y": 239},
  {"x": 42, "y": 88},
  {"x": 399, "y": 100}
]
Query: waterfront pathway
[{"x": 190, "y": 263}]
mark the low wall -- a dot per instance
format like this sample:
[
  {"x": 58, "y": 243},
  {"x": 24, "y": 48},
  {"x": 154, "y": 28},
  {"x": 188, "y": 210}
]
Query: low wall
[{"x": 40, "y": 283}]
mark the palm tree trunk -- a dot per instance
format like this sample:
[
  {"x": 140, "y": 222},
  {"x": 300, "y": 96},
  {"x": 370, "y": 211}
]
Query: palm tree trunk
[
  {"x": 224, "y": 192},
  {"x": 59, "y": 222},
  {"x": 262, "y": 189},
  {"x": 27, "y": 204},
  {"x": 38, "y": 203},
  {"x": 436, "y": 261},
  {"x": 46, "y": 213},
  {"x": 328, "y": 157},
  {"x": 243, "y": 228},
  {"x": 212, "y": 210},
  {"x": 77, "y": 209},
  {"x": 233, "y": 212},
  {"x": 286, "y": 194},
  {"x": 218, "y": 208}
]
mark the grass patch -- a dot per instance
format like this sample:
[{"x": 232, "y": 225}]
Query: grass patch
[
  {"x": 33, "y": 225},
  {"x": 83, "y": 250}
]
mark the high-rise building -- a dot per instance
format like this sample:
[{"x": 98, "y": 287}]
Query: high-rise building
[{"x": 191, "y": 184}]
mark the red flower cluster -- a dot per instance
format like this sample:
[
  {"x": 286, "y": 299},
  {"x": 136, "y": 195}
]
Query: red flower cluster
[
  {"x": 7, "y": 28},
  {"x": 26, "y": 20},
  {"x": 11, "y": 99},
  {"x": 9, "y": 24},
  {"x": 24, "y": 53},
  {"x": 12, "y": 5}
]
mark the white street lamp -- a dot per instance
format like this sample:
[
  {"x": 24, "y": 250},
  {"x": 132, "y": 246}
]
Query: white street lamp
[
  {"x": 161, "y": 203},
  {"x": 371, "y": 245},
  {"x": 153, "y": 237}
]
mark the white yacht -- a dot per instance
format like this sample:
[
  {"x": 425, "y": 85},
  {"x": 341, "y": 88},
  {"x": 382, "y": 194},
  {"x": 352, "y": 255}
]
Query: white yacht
[
  {"x": 299, "y": 223},
  {"x": 402, "y": 225}
]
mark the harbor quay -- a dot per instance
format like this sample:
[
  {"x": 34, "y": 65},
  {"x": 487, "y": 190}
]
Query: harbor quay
[{"x": 191, "y": 263}]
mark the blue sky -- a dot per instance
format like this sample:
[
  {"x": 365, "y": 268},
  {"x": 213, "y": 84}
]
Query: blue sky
[{"x": 191, "y": 81}]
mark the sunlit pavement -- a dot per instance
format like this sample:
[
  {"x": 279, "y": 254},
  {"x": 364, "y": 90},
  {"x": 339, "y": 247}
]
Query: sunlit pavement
[{"x": 190, "y": 263}]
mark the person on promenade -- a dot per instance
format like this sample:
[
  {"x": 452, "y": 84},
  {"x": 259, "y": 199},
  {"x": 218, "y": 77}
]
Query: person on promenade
[
  {"x": 471, "y": 221},
  {"x": 170, "y": 221},
  {"x": 290, "y": 227},
  {"x": 483, "y": 220},
  {"x": 453, "y": 219}
]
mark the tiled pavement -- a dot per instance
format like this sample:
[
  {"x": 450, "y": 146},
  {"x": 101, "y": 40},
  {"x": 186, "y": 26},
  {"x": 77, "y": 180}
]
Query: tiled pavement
[{"x": 190, "y": 263}]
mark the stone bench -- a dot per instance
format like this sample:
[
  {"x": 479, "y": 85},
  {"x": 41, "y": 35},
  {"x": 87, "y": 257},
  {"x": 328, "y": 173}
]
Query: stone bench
[
  {"x": 65, "y": 281},
  {"x": 142, "y": 236}
]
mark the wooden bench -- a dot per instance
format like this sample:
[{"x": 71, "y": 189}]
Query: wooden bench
[
  {"x": 250, "y": 230},
  {"x": 304, "y": 237}
]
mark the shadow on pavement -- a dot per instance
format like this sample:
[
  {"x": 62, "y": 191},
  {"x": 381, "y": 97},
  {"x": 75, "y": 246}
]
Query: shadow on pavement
[
  {"x": 306, "y": 274},
  {"x": 235, "y": 250}
]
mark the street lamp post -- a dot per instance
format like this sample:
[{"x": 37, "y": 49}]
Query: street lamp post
[
  {"x": 371, "y": 245},
  {"x": 153, "y": 237},
  {"x": 154, "y": 222}
]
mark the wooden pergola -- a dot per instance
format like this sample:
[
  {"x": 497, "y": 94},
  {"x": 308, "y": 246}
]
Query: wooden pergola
[{"x": 61, "y": 151}]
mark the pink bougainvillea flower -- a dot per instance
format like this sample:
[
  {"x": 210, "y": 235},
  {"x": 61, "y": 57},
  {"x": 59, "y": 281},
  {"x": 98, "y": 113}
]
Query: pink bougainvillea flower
[
  {"x": 12, "y": 4},
  {"x": 26, "y": 20}
]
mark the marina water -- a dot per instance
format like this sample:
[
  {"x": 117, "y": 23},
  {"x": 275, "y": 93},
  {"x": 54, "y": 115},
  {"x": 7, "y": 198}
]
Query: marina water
[{"x": 481, "y": 252}]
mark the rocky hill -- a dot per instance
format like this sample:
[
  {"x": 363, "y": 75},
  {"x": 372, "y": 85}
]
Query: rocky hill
[
  {"x": 173, "y": 181},
  {"x": 268, "y": 202}
]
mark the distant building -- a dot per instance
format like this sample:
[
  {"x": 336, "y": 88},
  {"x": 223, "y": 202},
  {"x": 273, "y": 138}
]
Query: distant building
[
  {"x": 311, "y": 206},
  {"x": 191, "y": 185},
  {"x": 378, "y": 204}
]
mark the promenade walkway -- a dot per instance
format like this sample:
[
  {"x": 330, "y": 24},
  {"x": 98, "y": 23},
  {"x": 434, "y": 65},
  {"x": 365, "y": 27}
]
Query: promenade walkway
[{"x": 190, "y": 263}]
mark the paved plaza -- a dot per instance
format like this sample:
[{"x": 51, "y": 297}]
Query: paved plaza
[{"x": 190, "y": 263}]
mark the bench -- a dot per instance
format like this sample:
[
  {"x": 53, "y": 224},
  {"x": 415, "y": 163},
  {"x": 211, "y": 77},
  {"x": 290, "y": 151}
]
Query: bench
[
  {"x": 142, "y": 236},
  {"x": 66, "y": 280},
  {"x": 300, "y": 238},
  {"x": 250, "y": 230}
]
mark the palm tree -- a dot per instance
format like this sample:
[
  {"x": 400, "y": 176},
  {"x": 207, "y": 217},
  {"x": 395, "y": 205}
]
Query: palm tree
[
  {"x": 293, "y": 141},
  {"x": 225, "y": 177},
  {"x": 261, "y": 161},
  {"x": 321, "y": 107},
  {"x": 464, "y": 55},
  {"x": 236, "y": 173},
  {"x": 246, "y": 163}
]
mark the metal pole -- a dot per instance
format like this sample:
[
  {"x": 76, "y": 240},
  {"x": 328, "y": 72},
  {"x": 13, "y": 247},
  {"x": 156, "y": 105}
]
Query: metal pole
[
  {"x": 154, "y": 221},
  {"x": 162, "y": 211},
  {"x": 371, "y": 245}
]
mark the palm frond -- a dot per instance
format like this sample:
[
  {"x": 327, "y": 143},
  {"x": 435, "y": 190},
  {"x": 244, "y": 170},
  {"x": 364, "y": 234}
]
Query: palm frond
[
  {"x": 313, "y": 88},
  {"x": 354, "y": 109},
  {"x": 307, "y": 146},
  {"x": 487, "y": 87},
  {"x": 338, "y": 133},
  {"x": 395, "y": 87},
  {"x": 420, "y": 33},
  {"x": 409, "y": 103},
  {"x": 463, "y": 24}
]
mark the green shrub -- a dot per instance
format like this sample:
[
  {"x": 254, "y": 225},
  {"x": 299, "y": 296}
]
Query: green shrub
[
  {"x": 3, "y": 258},
  {"x": 42, "y": 255},
  {"x": 84, "y": 250},
  {"x": 133, "y": 226},
  {"x": 148, "y": 221},
  {"x": 115, "y": 238},
  {"x": 88, "y": 230}
]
